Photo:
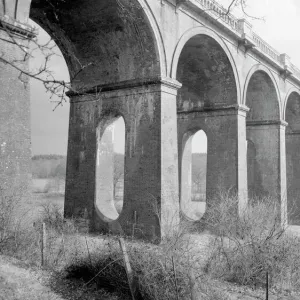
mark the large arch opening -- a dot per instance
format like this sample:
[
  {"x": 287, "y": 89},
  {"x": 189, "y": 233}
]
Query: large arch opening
[
  {"x": 193, "y": 175},
  {"x": 110, "y": 168},
  {"x": 103, "y": 42},
  {"x": 208, "y": 100},
  {"x": 206, "y": 75},
  {"x": 263, "y": 125},
  {"x": 292, "y": 116},
  {"x": 106, "y": 44}
]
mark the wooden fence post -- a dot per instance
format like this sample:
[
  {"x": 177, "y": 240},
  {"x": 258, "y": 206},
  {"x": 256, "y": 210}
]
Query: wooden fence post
[
  {"x": 43, "y": 245},
  {"x": 267, "y": 285},
  {"x": 130, "y": 276},
  {"x": 175, "y": 278}
]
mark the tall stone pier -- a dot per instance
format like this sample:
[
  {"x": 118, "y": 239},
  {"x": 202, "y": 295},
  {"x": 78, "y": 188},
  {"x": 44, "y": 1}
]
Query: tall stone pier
[
  {"x": 15, "y": 138},
  {"x": 151, "y": 175}
]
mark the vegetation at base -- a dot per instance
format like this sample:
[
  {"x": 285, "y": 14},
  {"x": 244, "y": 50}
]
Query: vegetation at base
[
  {"x": 247, "y": 247},
  {"x": 161, "y": 272},
  {"x": 241, "y": 250}
]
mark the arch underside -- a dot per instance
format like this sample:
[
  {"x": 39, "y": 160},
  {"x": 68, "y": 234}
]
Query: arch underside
[
  {"x": 208, "y": 85},
  {"x": 206, "y": 75},
  {"x": 292, "y": 113},
  {"x": 261, "y": 98},
  {"x": 102, "y": 41},
  {"x": 263, "y": 142}
]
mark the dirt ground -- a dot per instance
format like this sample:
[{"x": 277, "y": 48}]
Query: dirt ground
[
  {"x": 20, "y": 282},
  {"x": 17, "y": 283}
]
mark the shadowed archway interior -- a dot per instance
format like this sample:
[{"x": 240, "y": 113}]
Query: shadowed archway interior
[
  {"x": 262, "y": 135},
  {"x": 102, "y": 41},
  {"x": 262, "y": 98},
  {"x": 207, "y": 101},
  {"x": 206, "y": 75}
]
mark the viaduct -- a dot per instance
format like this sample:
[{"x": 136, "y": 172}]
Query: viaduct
[{"x": 169, "y": 68}]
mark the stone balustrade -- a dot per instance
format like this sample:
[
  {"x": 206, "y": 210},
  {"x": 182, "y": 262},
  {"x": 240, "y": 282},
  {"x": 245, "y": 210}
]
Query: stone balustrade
[
  {"x": 295, "y": 70},
  {"x": 244, "y": 29},
  {"x": 266, "y": 48},
  {"x": 217, "y": 9}
]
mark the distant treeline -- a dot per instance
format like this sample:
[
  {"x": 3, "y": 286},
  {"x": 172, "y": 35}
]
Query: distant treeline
[
  {"x": 53, "y": 166},
  {"x": 49, "y": 166},
  {"x": 47, "y": 156}
]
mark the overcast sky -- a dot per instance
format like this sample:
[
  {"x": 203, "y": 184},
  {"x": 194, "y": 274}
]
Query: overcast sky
[{"x": 280, "y": 29}]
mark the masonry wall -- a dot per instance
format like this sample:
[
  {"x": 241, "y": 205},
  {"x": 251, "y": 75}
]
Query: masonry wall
[
  {"x": 15, "y": 148},
  {"x": 226, "y": 151},
  {"x": 151, "y": 174}
]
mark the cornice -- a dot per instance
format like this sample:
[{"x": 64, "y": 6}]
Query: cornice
[
  {"x": 14, "y": 27},
  {"x": 127, "y": 84}
]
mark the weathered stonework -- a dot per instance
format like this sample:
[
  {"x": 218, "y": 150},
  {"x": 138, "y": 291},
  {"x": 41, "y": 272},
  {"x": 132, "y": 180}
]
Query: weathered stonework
[
  {"x": 169, "y": 68},
  {"x": 15, "y": 148},
  {"x": 226, "y": 151},
  {"x": 150, "y": 191},
  {"x": 292, "y": 157}
]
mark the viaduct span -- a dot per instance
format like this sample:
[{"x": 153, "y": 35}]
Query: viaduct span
[{"x": 169, "y": 68}]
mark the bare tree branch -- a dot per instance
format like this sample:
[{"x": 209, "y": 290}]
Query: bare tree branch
[{"x": 45, "y": 75}]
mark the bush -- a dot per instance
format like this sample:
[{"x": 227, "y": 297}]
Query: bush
[
  {"x": 162, "y": 272},
  {"x": 249, "y": 246},
  {"x": 20, "y": 239},
  {"x": 7, "y": 207},
  {"x": 10, "y": 224},
  {"x": 52, "y": 216}
]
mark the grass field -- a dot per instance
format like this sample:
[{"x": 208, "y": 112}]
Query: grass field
[{"x": 31, "y": 206}]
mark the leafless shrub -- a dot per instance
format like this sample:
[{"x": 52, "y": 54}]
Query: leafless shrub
[
  {"x": 248, "y": 246},
  {"x": 20, "y": 239},
  {"x": 157, "y": 277},
  {"x": 52, "y": 216},
  {"x": 161, "y": 271}
]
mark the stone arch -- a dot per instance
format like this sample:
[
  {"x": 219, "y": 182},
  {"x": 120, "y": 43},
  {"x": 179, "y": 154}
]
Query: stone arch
[
  {"x": 287, "y": 98},
  {"x": 292, "y": 136},
  {"x": 210, "y": 98},
  {"x": 115, "y": 42},
  {"x": 292, "y": 111},
  {"x": 264, "y": 134},
  {"x": 206, "y": 32},
  {"x": 158, "y": 35},
  {"x": 262, "y": 75}
]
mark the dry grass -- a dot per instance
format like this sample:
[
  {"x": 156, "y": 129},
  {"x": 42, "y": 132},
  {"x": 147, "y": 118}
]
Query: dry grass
[
  {"x": 247, "y": 247},
  {"x": 242, "y": 250},
  {"x": 162, "y": 272}
]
